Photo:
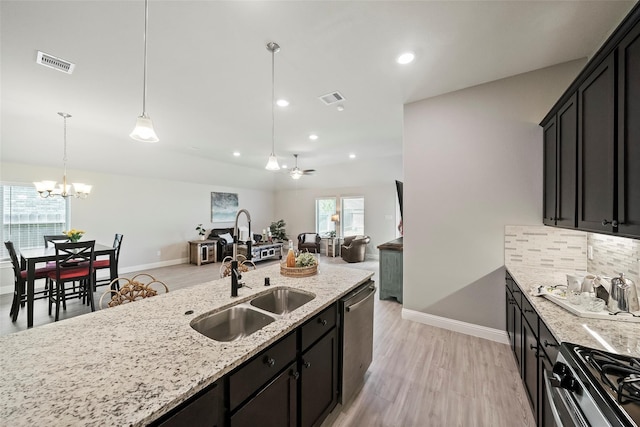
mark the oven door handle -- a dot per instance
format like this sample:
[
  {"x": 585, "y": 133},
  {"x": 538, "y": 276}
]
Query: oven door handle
[
  {"x": 550, "y": 393},
  {"x": 577, "y": 419}
]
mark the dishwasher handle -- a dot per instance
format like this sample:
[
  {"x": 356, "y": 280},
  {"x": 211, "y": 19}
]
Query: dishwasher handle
[{"x": 372, "y": 290}]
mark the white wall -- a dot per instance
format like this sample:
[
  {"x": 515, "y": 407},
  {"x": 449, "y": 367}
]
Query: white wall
[
  {"x": 153, "y": 214},
  {"x": 472, "y": 164},
  {"x": 297, "y": 208}
]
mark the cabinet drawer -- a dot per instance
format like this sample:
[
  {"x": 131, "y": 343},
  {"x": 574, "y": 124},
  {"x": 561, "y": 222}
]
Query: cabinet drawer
[
  {"x": 530, "y": 314},
  {"x": 318, "y": 326},
  {"x": 547, "y": 342},
  {"x": 263, "y": 367}
]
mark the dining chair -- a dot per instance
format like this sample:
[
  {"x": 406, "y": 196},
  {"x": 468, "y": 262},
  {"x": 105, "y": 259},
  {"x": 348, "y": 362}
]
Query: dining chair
[
  {"x": 68, "y": 269},
  {"x": 20, "y": 278},
  {"x": 50, "y": 239},
  {"x": 101, "y": 264}
]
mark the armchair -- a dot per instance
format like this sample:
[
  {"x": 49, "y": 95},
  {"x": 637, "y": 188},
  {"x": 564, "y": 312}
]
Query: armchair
[
  {"x": 354, "y": 247},
  {"x": 224, "y": 246},
  {"x": 309, "y": 242}
]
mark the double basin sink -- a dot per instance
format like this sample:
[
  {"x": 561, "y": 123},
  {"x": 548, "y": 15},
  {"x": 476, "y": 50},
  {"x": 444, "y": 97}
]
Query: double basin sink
[{"x": 244, "y": 319}]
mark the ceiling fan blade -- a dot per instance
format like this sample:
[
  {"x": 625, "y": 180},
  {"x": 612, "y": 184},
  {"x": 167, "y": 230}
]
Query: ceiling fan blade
[{"x": 308, "y": 171}]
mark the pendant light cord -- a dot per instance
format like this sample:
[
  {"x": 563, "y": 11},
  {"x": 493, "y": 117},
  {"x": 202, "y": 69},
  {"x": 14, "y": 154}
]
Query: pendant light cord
[
  {"x": 144, "y": 78},
  {"x": 273, "y": 101}
]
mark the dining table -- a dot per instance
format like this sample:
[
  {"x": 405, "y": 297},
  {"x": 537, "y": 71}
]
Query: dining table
[{"x": 30, "y": 257}]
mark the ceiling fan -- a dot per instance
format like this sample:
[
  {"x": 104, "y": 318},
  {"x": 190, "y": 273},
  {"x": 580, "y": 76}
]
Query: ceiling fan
[{"x": 296, "y": 172}]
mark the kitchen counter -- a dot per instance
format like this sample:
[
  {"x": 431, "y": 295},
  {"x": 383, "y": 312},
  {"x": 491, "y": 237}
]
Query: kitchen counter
[
  {"x": 610, "y": 335},
  {"x": 130, "y": 364}
]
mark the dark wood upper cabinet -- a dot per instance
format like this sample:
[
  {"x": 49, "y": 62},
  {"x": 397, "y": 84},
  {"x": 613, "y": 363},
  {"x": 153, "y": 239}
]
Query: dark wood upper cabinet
[
  {"x": 567, "y": 123},
  {"x": 596, "y": 148},
  {"x": 550, "y": 172},
  {"x": 629, "y": 134}
]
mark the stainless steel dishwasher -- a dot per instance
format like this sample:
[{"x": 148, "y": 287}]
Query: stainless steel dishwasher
[{"x": 356, "y": 340}]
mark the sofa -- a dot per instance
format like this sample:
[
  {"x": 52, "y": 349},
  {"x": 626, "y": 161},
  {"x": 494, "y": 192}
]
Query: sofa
[
  {"x": 309, "y": 242},
  {"x": 354, "y": 247}
]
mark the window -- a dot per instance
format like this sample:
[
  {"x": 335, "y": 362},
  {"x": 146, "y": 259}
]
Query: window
[
  {"x": 324, "y": 209},
  {"x": 352, "y": 216},
  {"x": 26, "y": 217}
]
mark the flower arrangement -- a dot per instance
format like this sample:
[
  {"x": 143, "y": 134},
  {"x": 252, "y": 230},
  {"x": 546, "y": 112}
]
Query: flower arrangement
[
  {"x": 73, "y": 234},
  {"x": 305, "y": 259}
]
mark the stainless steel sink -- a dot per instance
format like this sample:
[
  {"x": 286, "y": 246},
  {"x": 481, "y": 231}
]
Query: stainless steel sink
[
  {"x": 232, "y": 324},
  {"x": 282, "y": 301}
]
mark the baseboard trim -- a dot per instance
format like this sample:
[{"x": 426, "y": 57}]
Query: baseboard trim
[{"x": 479, "y": 331}]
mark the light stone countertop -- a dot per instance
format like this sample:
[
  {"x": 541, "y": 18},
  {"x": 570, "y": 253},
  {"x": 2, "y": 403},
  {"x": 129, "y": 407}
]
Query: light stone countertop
[
  {"x": 610, "y": 335},
  {"x": 128, "y": 365}
]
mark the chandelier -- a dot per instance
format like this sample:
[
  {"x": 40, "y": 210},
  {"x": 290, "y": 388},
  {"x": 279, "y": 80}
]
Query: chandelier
[{"x": 49, "y": 189}]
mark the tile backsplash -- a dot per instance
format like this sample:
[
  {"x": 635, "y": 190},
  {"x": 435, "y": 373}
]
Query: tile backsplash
[
  {"x": 547, "y": 247},
  {"x": 566, "y": 250}
]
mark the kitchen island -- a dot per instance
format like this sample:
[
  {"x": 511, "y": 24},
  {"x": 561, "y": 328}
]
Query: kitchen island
[
  {"x": 131, "y": 364},
  {"x": 609, "y": 335}
]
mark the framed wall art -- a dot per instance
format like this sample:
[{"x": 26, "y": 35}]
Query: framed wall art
[{"x": 224, "y": 207}]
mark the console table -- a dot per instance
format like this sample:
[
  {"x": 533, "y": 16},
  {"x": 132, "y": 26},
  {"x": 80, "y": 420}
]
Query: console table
[
  {"x": 264, "y": 251},
  {"x": 391, "y": 269},
  {"x": 332, "y": 246}
]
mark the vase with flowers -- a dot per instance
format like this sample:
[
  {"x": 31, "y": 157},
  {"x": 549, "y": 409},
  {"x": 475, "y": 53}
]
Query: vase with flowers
[{"x": 74, "y": 235}]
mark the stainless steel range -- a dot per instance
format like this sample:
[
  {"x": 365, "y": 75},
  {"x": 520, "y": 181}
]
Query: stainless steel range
[{"x": 590, "y": 387}]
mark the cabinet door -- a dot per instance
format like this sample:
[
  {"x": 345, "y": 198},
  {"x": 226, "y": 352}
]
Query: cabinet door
[
  {"x": 206, "y": 409},
  {"x": 319, "y": 380},
  {"x": 517, "y": 334},
  {"x": 274, "y": 406},
  {"x": 530, "y": 365},
  {"x": 567, "y": 163},
  {"x": 629, "y": 134},
  {"x": 596, "y": 109},
  {"x": 510, "y": 303},
  {"x": 550, "y": 172}
]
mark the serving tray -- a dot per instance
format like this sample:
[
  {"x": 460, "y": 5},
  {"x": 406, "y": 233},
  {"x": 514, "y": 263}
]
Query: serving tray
[{"x": 581, "y": 311}]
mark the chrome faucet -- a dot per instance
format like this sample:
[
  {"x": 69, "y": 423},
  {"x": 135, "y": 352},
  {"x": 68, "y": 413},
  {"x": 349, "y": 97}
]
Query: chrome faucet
[{"x": 235, "y": 274}]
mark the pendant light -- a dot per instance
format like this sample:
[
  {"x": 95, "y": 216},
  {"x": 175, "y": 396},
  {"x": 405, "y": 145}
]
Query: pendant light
[
  {"x": 77, "y": 189},
  {"x": 272, "y": 164},
  {"x": 144, "y": 127}
]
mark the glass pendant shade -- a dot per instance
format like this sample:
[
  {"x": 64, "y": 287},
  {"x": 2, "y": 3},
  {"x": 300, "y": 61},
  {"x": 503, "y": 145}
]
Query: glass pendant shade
[
  {"x": 296, "y": 174},
  {"x": 272, "y": 164},
  {"x": 144, "y": 130}
]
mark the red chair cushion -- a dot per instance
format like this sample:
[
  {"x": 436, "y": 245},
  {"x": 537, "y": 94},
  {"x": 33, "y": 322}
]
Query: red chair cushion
[
  {"x": 40, "y": 273},
  {"x": 101, "y": 263},
  {"x": 71, "y": 273}
]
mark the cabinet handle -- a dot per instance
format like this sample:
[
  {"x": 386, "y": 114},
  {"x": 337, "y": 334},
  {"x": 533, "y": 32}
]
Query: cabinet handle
[
  {"x": 516, "y": 291},
  {"x": 526, "y": 310},
  {"x": 606, "y": 222},
  {"x": 549, "y": 344},
  {"x": 533, "y": 347},
  {"x": 307, "y": 364},
  {"x": 269, "y": 361},
  {"x": 323, "y": 322},
  {"x": 295, "y": 374}
]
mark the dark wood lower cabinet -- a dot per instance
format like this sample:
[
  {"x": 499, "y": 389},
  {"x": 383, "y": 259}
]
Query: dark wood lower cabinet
[
  {"x": 274, "y": 406},
  {"x": 534, "y": 349},
  {"x": 319, "y": 380},
  {"x": 204, "y": 409},
  {"x": 530, "y": 365}
]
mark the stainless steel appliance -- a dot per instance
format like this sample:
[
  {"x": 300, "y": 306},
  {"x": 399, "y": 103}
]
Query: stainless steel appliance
[
  {"x": 356, "y": 340},
  {"x": 590, "y": 387}
]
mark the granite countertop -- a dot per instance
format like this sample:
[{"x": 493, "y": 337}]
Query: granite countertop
[
  {"x": 128, "y": 365},
  {"x": 609, "y": 335}
]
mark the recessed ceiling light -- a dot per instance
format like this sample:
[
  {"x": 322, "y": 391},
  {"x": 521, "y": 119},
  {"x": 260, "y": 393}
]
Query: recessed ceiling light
[
  {"x": 313, "y": 137},
  {"x": 405, "y": 58},
  {"x": 282, "y": 103},
  {"x": 340, "y": 108},
  {"x": 236, "y": 153},
  {"x": 352, "y": 156},
  {"x": 284, "y": 166}
]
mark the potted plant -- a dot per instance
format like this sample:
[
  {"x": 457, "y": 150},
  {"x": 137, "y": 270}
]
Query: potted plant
[
  {"x": 277, "y": 230},
  {"x": 201, "y": 231}
]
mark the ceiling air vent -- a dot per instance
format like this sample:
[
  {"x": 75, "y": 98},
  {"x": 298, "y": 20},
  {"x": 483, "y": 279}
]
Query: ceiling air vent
[
  {"x": 332, "y": 98},
  {"x": 55, "y": 63}
]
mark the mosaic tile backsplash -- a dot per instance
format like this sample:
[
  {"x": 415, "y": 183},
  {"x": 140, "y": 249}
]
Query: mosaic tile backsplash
[
  {"x": 547, "y": 247},
  {"x": 566, "y": 250}
]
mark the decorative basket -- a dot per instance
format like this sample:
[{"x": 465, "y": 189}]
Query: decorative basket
[{"x": 298, "y": 271}]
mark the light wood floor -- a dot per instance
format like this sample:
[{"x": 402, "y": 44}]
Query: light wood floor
[{"x": 421, "y": 376}]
